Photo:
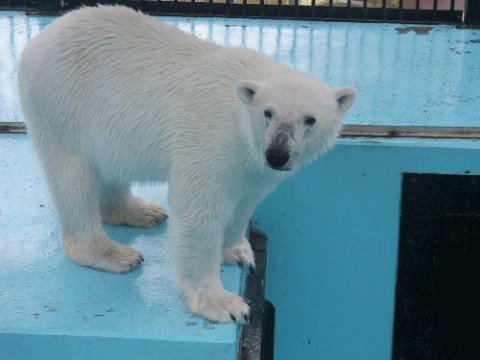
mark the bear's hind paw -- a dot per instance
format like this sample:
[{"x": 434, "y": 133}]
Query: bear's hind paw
[
  {"x": 104, "y": 254},
  {"x": 137, "y": 213}
]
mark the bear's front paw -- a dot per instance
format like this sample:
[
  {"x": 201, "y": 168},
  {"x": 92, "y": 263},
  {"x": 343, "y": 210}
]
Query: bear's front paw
[
  {"x": 217, "y": 305},
  {"x": 240, "y": 254}
]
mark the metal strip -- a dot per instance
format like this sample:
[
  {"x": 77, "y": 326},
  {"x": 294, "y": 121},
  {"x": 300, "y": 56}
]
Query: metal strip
[
  {"x": 435, "y": 132},
  {"x": 12, "y": 128},
  {"x": 257, "y": 339},
  {"x": 350, "y": 131}
]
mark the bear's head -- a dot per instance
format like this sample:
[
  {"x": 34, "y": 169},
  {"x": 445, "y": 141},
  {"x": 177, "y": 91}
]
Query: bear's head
[{"x": 292, "y": 119}]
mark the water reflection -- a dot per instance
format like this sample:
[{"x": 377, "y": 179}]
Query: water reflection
[
  {"x": 16, "y": 30},
  {"x": 403, "y": 78}
]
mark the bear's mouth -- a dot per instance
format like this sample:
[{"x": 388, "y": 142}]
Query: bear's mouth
[{"x": 283, "y": 168}]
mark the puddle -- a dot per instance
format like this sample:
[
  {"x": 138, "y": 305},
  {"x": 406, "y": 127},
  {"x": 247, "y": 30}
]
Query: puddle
[{"x": 419, "y": 30}]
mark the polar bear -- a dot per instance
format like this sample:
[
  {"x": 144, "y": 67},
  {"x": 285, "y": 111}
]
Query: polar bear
[{"x": 112, "y": 96}]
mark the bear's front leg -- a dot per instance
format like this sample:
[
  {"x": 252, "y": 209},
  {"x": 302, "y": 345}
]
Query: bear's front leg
[
  {"x": 236, "y": 248},
  {"x": 196, "y": 244}
]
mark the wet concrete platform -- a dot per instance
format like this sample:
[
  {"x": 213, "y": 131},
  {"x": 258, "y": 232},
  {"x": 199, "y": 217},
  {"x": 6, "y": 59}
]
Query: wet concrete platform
[{"x": 51, "y": 308}]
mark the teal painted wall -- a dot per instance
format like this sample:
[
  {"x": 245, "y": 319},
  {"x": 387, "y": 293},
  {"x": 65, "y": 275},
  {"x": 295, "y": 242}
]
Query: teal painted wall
[{"x": 333, "y": 238}]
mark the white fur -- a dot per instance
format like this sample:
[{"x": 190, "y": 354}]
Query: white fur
[{"x": 113, "y": 97}]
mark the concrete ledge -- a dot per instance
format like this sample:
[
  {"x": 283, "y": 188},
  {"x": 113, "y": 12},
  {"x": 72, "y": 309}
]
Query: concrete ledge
[{"x": 51, "y": 308}]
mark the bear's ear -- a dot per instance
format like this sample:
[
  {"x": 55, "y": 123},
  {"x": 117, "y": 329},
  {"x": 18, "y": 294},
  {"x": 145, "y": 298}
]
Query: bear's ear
[
  {"x": 345, "y": 97},
  {"x": 246, "y": 91}
]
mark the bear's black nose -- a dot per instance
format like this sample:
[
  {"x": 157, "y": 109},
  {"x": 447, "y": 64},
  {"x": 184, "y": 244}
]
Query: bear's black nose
[{"x": 276, "y": 158}]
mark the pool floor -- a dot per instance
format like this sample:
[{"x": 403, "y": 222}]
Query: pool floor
[{"x": 406, "y": 75}]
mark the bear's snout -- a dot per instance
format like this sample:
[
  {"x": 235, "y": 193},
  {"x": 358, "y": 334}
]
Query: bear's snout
[
  {"x": 277, "y": 158},
  {"x": 278, "y": 151}
]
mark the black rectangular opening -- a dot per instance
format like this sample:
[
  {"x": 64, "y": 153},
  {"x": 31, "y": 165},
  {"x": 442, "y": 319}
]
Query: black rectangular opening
[{"x": 437, "y": 296}]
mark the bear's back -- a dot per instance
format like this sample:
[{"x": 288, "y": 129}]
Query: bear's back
[
  {"x": 120, "y": 29},
  {"x": 94, "y": 53}
]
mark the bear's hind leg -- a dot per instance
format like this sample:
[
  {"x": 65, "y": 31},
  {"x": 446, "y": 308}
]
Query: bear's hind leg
[
  {"x": 119, "y": 207},
  {"x": 74, "y": 189}
]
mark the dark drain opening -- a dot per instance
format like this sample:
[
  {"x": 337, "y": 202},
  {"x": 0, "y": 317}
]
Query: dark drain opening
[{"x": 437, "y": 297}]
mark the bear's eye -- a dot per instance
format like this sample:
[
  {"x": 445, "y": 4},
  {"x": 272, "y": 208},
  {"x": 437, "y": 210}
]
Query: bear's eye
[
  {"x": 268, "y": 114},
  {"x": 310, "y": 120}
]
